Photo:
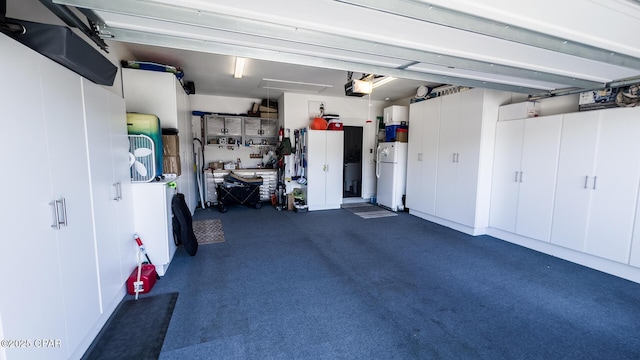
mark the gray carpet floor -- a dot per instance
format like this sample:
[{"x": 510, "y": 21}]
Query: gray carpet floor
[{"x": 331, "y": 285}]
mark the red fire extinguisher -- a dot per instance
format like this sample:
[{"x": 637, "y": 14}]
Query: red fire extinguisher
[{"x": 280, "y": 134}]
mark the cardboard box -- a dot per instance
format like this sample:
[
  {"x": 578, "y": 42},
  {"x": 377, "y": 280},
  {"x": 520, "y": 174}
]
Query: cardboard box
[
  {"x": 171, "y": 165},
  {"x": 598, "y": 99},
  {"x": 170, "y": 146}
]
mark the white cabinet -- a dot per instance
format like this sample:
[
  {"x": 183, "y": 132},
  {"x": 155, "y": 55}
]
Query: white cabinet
[
  {"x": 465, "y": 153},
  {"x": 49, "y": 253},
  {"x": 153, "y": 221},
  {"x": 524, "y": 175},
  {"x": 422, "y": 158},
  {"x": 324, "y": 169},
  {"x": 108, "y": 148},
  {"x": 597, "y": 187},
  {"x": 395, "y": 114},
  {"x": 158, "y": 93}
]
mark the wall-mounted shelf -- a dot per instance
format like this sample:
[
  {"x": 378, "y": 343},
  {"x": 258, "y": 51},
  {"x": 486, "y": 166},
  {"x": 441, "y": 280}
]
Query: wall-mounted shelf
[{"x": 243, "y": 131}]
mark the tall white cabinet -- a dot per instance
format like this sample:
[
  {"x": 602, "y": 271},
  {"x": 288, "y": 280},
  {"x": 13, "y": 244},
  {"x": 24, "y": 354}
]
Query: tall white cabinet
[
  {"x": 108, "y": 148},
  {"x": 597, "y": 187},
  {"x": 462, "y": 158},
  {"x": 524, "y": 175},
  {"x": 422, "y": 160},
  {"x": 53, "y": 288},
  {"x": 159, "y": 93},
  {"x": 324, "y": 169}
]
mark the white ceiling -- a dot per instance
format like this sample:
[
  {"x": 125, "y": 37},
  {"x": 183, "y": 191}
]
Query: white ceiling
[{"x": 544, "y": 47}]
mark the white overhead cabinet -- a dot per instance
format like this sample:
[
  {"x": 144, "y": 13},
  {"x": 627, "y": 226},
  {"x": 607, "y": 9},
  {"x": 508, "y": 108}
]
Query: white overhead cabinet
[
  {"x": 422, "y": 161},
  {"x": 395, "y": 114},
  {"x": 597, "y": 187},
  {"x": 161, "y": 94},
  {"x": 52, "y": 285},
  {"x": 524, "y": 175},
  {"x": 324, "y": 169}
]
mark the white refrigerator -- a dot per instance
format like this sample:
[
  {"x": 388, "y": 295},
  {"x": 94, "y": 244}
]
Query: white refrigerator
[{"x": 391, "y": 171}]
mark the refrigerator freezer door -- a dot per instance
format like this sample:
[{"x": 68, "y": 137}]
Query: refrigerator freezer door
[{"x": 386, "y": 194}]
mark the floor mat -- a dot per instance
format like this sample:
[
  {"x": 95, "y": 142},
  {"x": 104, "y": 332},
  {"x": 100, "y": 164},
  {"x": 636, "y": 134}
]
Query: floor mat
[
  {"x": 208, "y": 231},
  {"x": 136, "y": 330},
  {"x": 368, "y": 211}
]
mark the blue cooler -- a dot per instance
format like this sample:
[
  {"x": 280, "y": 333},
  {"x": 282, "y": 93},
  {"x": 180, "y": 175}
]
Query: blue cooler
[{"x": 390, "y": 132}]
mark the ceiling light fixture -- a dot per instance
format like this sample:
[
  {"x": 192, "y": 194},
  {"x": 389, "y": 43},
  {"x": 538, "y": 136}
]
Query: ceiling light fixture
[
  {"x": 384, "y": 80},
  {"x": 239, "y": 67}
]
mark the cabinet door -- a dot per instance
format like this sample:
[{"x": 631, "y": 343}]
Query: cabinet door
[
  {"x": 215, "y": 125},
  {"x": 105, "y": 119},
  {"x": 233, "y": 126},
  {"x": 506, "y": 171},
  {"x": 123, "y": 211},
  {"x": 269, "y": 127},
  {"x": 538, "y": 178},
  {"x": 415, "y": 190},
  {"x": 447, "y": 153},
  {"x": 429, "y": 166},
  {"x": 335, "y": 168},
  {"x": 614, "y": 185},
  {"x": 316, "y": 165},
  {"x": 105, "y": 189},
  {"x": 31, "y": 304},
  {"x": 575, "y": 167},
  {"x": 252, "y": 127},
  {"x": 470, "y": 122},
  {"x": 68, "y": 156}
]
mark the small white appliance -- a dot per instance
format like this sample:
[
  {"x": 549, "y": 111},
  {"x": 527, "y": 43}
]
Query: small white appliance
[{"x": 391, "y": 171}]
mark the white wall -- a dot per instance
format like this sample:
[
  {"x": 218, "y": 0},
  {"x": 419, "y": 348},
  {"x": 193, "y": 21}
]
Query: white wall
[{"x": 353, "y": 111}]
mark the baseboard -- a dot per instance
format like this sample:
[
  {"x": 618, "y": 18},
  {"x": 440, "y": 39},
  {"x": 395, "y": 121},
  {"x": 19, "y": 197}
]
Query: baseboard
[
  {"x": 450, "y": 224},
  {"x": 614, "y": 268}
]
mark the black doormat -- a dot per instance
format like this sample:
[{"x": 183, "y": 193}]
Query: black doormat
[{"x": 136, "y": 329}]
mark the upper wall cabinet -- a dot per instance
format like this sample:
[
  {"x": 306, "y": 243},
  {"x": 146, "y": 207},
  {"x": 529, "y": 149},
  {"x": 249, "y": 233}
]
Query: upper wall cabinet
[
  {"x": 524, "y": 175},
  {"x": 241, "y": 131},
  {"x": 597, "y": 187}
]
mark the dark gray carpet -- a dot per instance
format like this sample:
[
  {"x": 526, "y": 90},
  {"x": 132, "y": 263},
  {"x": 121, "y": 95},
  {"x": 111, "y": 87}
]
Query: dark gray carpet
[
  {"x": 329, "y": 285},
  {"x": 135, "y": 331}
]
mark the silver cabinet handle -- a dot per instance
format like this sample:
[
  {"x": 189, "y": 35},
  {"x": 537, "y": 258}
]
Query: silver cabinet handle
[
  {"x": 520, "y": 176},
  {"x": 64, "y": 211},
  {"x": 56, "y": 210},
  {"x": 595, "y": 178},
  {"x": 516, "y": 179},
  {"x": 586, "y": 180},
  {"x": 119, "y": 190},
  {"x": 457, "y": 157},
  {"x": 56, "y": 215},
  {"x": 454, "y": 157},
  {"x": 115, "y": 188}
]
